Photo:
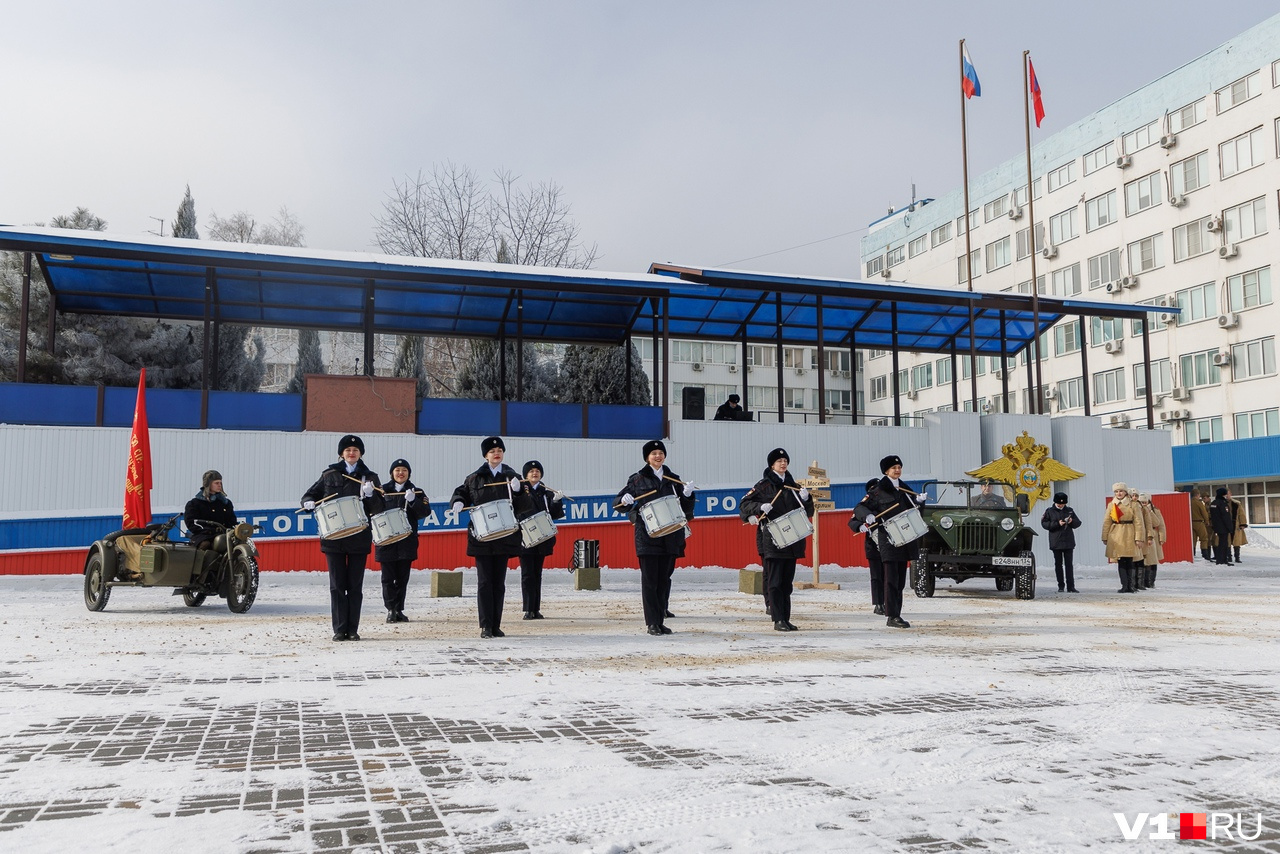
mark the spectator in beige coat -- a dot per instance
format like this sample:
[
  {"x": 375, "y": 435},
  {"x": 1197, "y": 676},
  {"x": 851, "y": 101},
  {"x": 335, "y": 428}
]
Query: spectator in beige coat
[
  {"x": 1123, "y": 527},
  {"x": 1158, "y": 535},
  {"x": 1238, "y": 537}
]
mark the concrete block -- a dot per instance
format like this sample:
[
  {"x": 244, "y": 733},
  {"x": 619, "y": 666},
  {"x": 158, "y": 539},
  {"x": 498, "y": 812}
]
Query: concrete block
[
  {"x": 586, "y": 578},
  {"x": 751, "y": 581},
  {"x": 445, "y": 584}
]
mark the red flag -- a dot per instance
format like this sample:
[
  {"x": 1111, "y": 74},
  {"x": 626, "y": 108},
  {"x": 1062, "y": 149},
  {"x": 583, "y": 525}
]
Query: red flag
[
  {"x": 137, "y": 484},
  {"x": 1035, "y": 93}
]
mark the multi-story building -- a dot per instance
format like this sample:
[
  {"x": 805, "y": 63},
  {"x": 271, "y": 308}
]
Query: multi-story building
[{"x": 1167, "y": 196}]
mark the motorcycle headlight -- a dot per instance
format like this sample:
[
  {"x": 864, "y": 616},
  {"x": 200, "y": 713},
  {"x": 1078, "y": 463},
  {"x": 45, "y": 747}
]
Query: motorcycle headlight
[
  {"x": 1006, "y": 523},
  {"x": 243, "y": 531},
  {"x": 946, "y": 522}
]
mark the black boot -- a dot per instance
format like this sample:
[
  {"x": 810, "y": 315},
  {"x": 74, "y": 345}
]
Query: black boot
[
  {"x": 1151, "y": 576},
  {"x": 1237, "y": 554},
  {"x": 1205, "y": 554}
]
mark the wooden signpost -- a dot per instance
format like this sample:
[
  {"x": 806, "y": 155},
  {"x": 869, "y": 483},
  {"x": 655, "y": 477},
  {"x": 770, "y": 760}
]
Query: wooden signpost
[{"x": 819, "y": 486}]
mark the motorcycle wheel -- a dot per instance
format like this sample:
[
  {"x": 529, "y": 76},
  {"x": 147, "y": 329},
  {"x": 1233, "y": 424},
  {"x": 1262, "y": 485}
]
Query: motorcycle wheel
[
  {"x": 96, "y": 591},
  {"x": 193, "y": 598},
  {"x": 243, "y": 587}
]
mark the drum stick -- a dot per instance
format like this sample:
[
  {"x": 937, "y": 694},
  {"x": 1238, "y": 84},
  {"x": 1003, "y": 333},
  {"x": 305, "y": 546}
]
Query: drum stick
[
  {"x": 362, "y": 482},
  {"x": 318, "y": 503},
  {"x": 565, "y": 497},
  {"x": 638, "y": 497},
  {"x": 673, "y": 479}
]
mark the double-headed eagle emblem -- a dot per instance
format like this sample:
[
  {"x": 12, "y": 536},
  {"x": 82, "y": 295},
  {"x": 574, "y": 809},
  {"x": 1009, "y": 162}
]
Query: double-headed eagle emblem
[{"x": 1028, "y": 467}]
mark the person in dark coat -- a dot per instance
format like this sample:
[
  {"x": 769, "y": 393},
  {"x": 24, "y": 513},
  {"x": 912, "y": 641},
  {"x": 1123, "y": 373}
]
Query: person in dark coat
[
  {"x": 891, "y": 497},
  {"x": 657, "y": 555},
  {"x": 346, "y": 556},
  {"x": 730, "y": 410},
  {"x": 776, "y": 495},
  {"x": 541, "y": 500},
  {"x": 397, "y": 558},
  {"x": 1223, "y": 520},
  {"x": 210, "y": 504},
  {"x": 493, "y": 481},
  {"x": 860, "y": 522},
  {"x": 1061, "y": 522}
]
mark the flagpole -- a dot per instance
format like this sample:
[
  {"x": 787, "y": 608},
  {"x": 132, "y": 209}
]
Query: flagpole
[
  {"x": 968, "y": 248},
  {"x": 1038, "y": 406}
]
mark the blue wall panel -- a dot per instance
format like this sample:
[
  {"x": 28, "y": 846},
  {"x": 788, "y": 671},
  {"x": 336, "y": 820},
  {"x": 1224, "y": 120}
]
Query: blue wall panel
[
  {"x": 63, "y": 405},
  {"x": 441, "y": 415},
  {"x": 1235, "y": 459},
  {"x": 624, "y": 422},
  {"x": 560, "y": 420},
  {"x": 242, "y": 410},
  {"x": 166, "y": 407}
]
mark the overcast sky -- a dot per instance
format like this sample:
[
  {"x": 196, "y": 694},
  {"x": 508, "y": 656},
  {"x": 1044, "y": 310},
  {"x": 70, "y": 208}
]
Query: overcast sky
[{"x": 702, "y": 133}]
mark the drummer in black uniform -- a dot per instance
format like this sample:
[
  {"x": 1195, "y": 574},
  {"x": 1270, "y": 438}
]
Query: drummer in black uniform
[
  {"x": 493, "y": 481},
  {"x": 657, "y": 555},
  {"x": 346, "y": 556},
  {"x": 542, "y": 500},
  {"x": 397, "y": 558},
  {"x": 776, "y": 495},
  {"x": 860, "y": 522},
  {"x": 889, "y": 498}
]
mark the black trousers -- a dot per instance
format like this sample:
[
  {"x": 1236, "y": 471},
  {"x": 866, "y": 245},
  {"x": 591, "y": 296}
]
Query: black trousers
[
  {"x": 1125, "y": 567},
  {"x": 1064, "y": 568},
  {"x": 895, "y": 580},
  {"x": 655, "y": 586},
  {"x": 491, "y": 589},
  {"x": 779, "y": 574},
  {"x": 1222, "y": 549},
  {"x": 531, "y": 581},
  {"x": 877, "y": 580},
  {"x": 395, "y": 583},
  {"x": 346, "y": 590},
  {"x": 768, "y": 584}
]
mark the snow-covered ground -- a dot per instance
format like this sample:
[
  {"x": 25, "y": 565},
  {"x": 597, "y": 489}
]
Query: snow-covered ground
[{"x": 991, "y": 724}]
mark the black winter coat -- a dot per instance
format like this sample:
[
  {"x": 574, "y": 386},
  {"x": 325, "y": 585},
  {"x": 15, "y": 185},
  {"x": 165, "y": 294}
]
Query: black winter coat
[
  {"x": 772, "y": 490},
  {"x": 539, "y": 500},
  {"x": 646, "y": 481},
  {"x": 216, "y": 509},
  {"x": 1061, "y": 537},
  {"x": 883, "y": 498},
  {"x": 406, "y": 549},
  {"x": 475, "y": 490},
  {"x": 1222, "y": 517},
  {"x": 861, "y": 516},
  {"x": 334, "y": 481}
]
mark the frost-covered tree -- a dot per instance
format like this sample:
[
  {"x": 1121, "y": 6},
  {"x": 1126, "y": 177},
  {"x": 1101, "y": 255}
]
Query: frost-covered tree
[
  {"x": 599, "y": 375},
  {"x": 479, "y": 376},
  {"x": 309, "y": 360},
  {"x": 184, "y": 222},
  {"x": 283, "y": 229},
  {"x": 410, "y": 361}
]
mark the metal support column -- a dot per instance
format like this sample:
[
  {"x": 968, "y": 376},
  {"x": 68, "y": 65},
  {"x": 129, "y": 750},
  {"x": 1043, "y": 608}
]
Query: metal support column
[
  {"x": 777, "y": 318},
  {"x": 822, "y": 370},
  {"x": 1146, "y": 369},
  {"x": 1084, "y": 366},
  {"x": 24, "y": 308},
  {"x": 897, "y": 391}
]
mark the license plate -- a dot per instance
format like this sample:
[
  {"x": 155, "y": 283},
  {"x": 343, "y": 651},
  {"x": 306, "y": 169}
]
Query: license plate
[{"x": 1011, "y": 561}]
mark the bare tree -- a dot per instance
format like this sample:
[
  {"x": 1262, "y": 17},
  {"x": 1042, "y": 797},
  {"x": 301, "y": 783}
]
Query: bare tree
[
  {"x": 241, "y": 227},
  {"x": 533, "y": 223},
  {"x": 445, "y": 215}
]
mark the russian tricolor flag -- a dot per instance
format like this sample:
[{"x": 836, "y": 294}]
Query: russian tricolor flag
[{"x": 969, "y": 80}]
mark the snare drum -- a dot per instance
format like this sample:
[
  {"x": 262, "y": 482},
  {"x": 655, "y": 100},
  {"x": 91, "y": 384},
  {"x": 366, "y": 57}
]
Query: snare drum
[
  {"x": 789, "y": 528},
  {"x": 663, "y": 516},
  {"x": 536, "y": 529},
  {"x": 390, "y": 526},
  {"x": 493, "y": 521},
  {"x": 906, "y": 527},
  {"x": 341, "y": 517}
]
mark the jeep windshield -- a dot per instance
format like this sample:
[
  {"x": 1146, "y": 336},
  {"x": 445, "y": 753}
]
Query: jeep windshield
[{"x": 971, "y": 495}]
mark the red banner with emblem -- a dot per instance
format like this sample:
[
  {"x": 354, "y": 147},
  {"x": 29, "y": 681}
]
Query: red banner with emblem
[{"x": 137, "y": 484}]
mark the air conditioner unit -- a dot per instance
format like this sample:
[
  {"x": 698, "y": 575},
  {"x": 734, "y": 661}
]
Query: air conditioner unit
[
  {"x": 1222, "y": 360},
  {"x": 1176, "y": 415},
  {"x": 1164, "y": 416},
  {"x": 1230, "y": 320},
  {"x": 1169, "y": 140},
  {"x": 998, "y": 373},
  {"x": 1015, "y": 212},
  {"x": 1180, "y": 392},
  {"x": 1050, "y": 251},
  {"x": 1051, "y": 392},
  {"x": 986, "y": 407},
  {"x": 1177, "y": 200},
  {"x": 1115, "y": 346},
  {"x": 697, "y": 366},
  {"x": 845, "y": 374},
  {"x": 912, "y": 393},
  {"x": 799, "y": 372},
  {"x": 1229, "y": 251},
  {"x": 1128, "y": 281},
  {"x": 1119, "y": 420},
  {"x": 750, "y": 368},
  {"x": 1168, "y": 318},
  {"x": 733, "y": 369},
  {"x": 1124, "y": 161},
  {"x": 1214, "y": 224},
  {"x": 885, "y": 272},
  {"x": 1114, "y": 287}
]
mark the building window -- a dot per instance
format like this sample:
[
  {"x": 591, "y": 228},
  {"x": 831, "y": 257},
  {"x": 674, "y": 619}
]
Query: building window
[
  {"x": 761, "y": 355},
  {"x": 839, "y": 400},
  {"x": 1191, "y": 174},
  {"x": 1070, "y": 393},
  {"x": 1066, "y": 282},
  {"x": 794, "y": 398},
  {"x": 1066, "y": 338},
  {"x": 1188, "y": 116},
  {"x": 1141, "y": 138},
  {"x": 1135, "y": 325},
  {"x": 998, "y": 254},
  {"x": 686, "y": 351},
  {"x": 995, "y": 208},
  {"x": 963, "y": 269},
  {"x": 1192, "y": 239},
  {"x": 762, "y": 397},
  {"x": 1249, "y": 290},
  {"x": 922, "y": 376},
  {"x": 918, "y": 246},
  {"x": 1104, "y": 329},
  {"x": 1062, "y": 176},
  {"x": 644, "y": 347},
  {"x": 832, "y": 359},
  {"x": 1244, "y": 152},
  {"x": 1023, "y": 240},
  {"x": 904, "y": 380},
  {"x": 1253, "y": 359},
  {"x": 1161, "y": 378},
  {"x": 879, "y": 387},
  {"x": 1203, "y": 430},
  {"x": 1254, "y": 425},
  {"x": 940, "y": 235},
  {"x": 1142, "y": 193},
  {"x": 793, "y": 357},
  {"x": 1145, "y": 255},
  {"x": 875, "y": 265},
  {"x": 1108, "y": 386},
  {"x": 1196, "y": 370},
  {"x": 1104, "y": 269},
  {"x": 1239, "y": 92},
  {"x": 944, "y": 370},
  {"x": 894, "y": 256},
  {"x": 1245, "y": 221},
  {"x": 1062, "y": 227},
  {"x": 973, "y": 222},
  {"x": 1100, "y": 211},
  {"x": 1197, "y": 303},
  {"x": 1025, "y": 287},
  {"x": 876, "y": 354},
  {"x": 966, "y": 367},
  {"x": 1099, "y": 157}
]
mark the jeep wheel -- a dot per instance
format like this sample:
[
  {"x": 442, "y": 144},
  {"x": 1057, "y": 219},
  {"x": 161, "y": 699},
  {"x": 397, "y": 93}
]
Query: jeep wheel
[
  {"x": 96, "y": 591},
  {"x": 1025, "y": 580},
  {"x": 194, "y": 598},
  {"x": 922, "y": 580},
  {"x": 1004, "y": 585},
  {"x": 243, "y": 587}
]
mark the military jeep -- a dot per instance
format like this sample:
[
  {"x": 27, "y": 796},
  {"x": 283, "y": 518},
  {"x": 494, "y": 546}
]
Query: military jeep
[{"x": 975, "y": 531}]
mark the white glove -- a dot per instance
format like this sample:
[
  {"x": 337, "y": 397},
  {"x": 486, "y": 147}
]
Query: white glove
[
  {"x": 366, "y": 489},
  {"x": 688, "y": 489},
  {"x": 804, "y": 494},
  {"x": 766, "y": 507},
  {"x": 627, "y": 499},
  {"x": 457, "y": 507},
  {"x": 921, "y": 498},
  {"x": 409, "y": 495},
  {"x": 864, "y": 529},
  {"x": 557, "y": 496},
  {"x": 688, "y": 532},
  {"x": 308, "y": 505},
  {"x": 515, "y": 484}
]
